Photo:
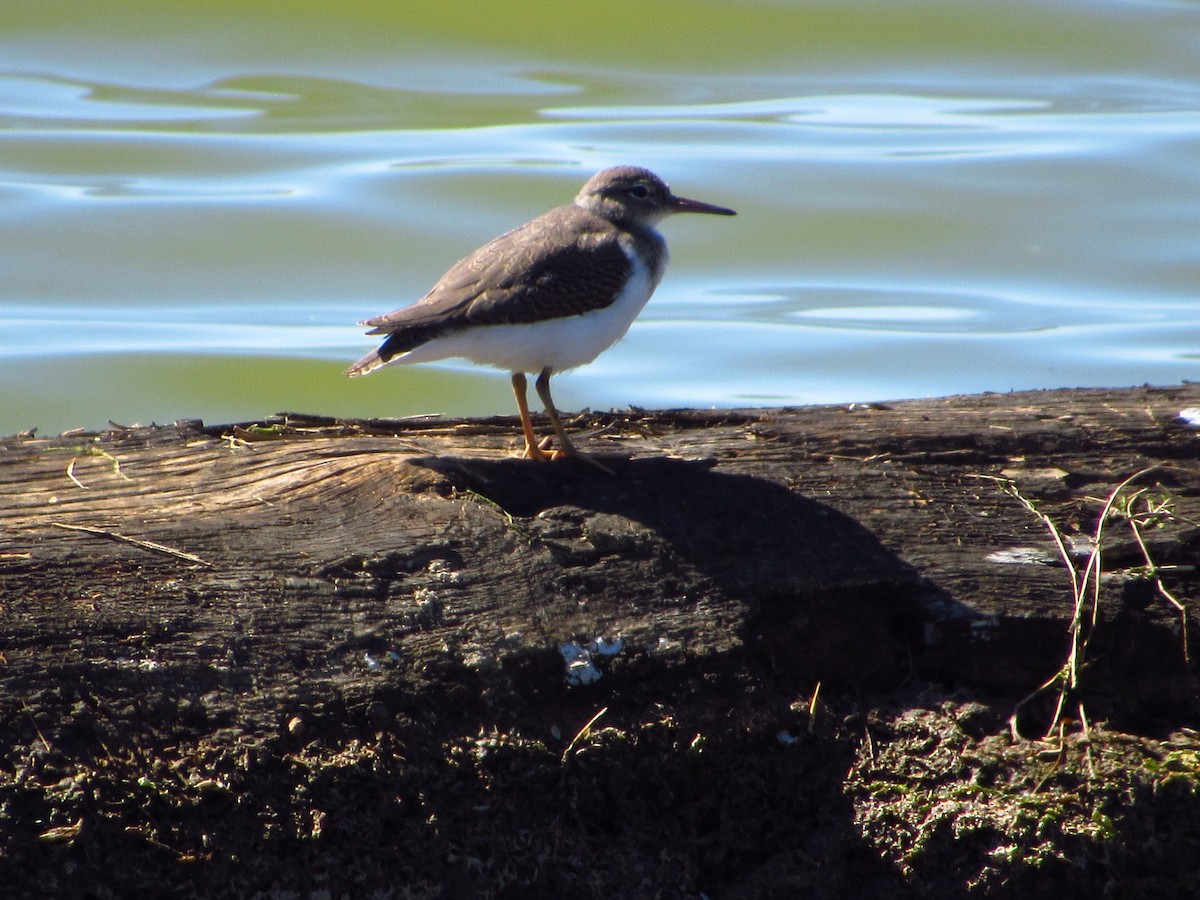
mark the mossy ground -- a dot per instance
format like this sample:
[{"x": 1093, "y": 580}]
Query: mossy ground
[{"x": 920, "y": 795}]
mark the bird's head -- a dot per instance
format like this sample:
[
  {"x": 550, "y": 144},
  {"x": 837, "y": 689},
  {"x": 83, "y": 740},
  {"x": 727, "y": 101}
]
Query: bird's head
[{"x": 632, "y": 196}]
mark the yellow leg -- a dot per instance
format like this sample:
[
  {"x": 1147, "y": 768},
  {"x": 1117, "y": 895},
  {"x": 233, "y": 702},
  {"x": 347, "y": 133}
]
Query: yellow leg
[
  {"x": 543, "y": 388},
  {"x": 532, "y": 450},
  {"x": 567, "y": 447}
]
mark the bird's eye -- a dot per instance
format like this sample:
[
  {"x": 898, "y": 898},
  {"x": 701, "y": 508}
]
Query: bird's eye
[{"x": 640, "y": 191}]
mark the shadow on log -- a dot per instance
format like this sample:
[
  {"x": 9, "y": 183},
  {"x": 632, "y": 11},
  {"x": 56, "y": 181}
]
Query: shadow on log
[{"x": 821, "y": 595}]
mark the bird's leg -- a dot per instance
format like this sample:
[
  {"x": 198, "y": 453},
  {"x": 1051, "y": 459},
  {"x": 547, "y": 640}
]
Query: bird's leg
[
  {"x": 567, "y": 447},
  {"x": 543, "y": 388},
  {"x": 532, "y": 449}
]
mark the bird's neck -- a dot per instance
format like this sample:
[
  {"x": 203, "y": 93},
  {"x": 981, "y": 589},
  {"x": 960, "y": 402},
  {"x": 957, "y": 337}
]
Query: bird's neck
[{"x": 649, "y": 246}]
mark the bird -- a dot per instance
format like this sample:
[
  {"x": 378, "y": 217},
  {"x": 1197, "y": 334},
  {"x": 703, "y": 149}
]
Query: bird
[{"x": 547, "y": 296}]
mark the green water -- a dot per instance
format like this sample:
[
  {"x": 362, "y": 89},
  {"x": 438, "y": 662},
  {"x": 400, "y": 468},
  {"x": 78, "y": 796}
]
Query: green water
[{"x": 199, "y": 200}]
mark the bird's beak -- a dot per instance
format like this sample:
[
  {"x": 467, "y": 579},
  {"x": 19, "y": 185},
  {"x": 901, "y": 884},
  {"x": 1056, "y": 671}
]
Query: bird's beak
[{"x": 683, "y": 204}]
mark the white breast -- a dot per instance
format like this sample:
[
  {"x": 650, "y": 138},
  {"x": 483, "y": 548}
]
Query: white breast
[{"x": 557, "y": 344}]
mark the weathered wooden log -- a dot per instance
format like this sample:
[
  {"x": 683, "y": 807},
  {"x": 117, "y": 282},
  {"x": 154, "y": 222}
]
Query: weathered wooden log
[{"x": 212, "y": 607}]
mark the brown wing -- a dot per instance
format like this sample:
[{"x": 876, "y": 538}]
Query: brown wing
[{"x": 563, "y": 263}]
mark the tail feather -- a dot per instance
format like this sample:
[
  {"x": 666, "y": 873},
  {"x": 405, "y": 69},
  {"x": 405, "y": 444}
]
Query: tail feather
[
  {"x": 367, "y": 364},
  {"x": 397, "y": 344}
]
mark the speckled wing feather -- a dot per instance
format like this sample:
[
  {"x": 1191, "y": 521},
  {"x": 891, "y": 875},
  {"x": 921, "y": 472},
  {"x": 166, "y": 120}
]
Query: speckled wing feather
[{"x": 564, "y": 263}]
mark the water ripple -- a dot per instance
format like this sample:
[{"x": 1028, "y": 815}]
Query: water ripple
[{"x": 39, "y": 98}]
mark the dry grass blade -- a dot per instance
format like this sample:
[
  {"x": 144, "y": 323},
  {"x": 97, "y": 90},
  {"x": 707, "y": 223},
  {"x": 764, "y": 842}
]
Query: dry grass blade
[
  {"x": 581, "y": 736},
  {"x": 1155, "y": 571},
  {"x": 152, "y": 546},
  {"x": 71, "y": 474},
  {"x": 1085, "y": 590}
]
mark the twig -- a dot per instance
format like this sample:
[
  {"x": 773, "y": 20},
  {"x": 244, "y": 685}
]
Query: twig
[{"x": 152, "y": 546}]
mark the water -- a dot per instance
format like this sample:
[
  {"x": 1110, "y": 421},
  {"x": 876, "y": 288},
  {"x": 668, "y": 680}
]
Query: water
[{"x": 199, "y": 200}]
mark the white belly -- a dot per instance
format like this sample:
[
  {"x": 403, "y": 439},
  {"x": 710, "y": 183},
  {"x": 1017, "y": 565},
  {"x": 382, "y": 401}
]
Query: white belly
[{"x": 556, "y": 344}]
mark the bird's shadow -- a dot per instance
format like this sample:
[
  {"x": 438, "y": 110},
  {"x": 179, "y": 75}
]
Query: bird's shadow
[{"x": 796, "y": 562}]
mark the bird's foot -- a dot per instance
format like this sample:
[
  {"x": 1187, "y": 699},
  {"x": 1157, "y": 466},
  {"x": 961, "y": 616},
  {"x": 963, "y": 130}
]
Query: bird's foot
[{"x": 544, "y": 451}]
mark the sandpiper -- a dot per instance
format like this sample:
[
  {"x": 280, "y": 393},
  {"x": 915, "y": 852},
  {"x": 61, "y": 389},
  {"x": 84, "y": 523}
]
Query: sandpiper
[{"x": 547, "y": 296}]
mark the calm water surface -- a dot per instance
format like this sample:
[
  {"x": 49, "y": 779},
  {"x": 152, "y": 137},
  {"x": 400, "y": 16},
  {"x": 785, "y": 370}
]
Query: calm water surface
[{"x": 199, "y": 201}]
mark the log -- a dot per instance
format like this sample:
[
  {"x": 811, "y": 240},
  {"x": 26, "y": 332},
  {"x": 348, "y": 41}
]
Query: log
[{"x": 311, "y": 654}]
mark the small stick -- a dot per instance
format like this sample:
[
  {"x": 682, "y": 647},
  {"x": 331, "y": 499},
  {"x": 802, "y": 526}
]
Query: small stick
[{"x": 137, "y": 542}]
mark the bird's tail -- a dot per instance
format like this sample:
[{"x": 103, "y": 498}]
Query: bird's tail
[
  {"x": 397, "y": 345},
  {"x": 367, "y": 364}
]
